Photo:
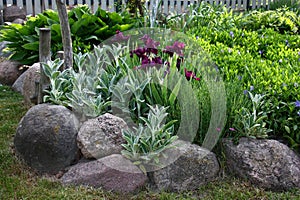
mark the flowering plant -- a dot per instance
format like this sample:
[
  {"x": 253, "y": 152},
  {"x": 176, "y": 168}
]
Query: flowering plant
[{"x": 150, "y": 55}]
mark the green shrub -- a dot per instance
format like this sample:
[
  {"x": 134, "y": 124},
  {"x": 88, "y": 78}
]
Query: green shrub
[
  {"x": 282, "y": 20},
  {"x": 87, "y": 29},
  {"x": 264, "y": 57}
]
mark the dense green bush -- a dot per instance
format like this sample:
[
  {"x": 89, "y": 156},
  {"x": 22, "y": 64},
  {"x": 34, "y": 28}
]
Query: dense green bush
[
  {"x": 258, "y": 51},
  {"x": 87, "y": 29}
]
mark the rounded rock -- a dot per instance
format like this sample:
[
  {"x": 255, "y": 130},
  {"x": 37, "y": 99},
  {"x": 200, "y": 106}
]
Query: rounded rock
[{"x": 46, "y": 138}]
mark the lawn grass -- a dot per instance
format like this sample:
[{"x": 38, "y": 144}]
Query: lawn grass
[{"x": 18, "y": 182}]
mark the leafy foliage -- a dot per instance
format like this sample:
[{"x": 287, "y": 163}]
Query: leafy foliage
[
  {"x": 145, "y": 144},
  {"x": 252, "y": 122},
  {"x": 87, "y": 29},
  {"x": 87, "y": 87},
  {"x": 259, "y": 50}
]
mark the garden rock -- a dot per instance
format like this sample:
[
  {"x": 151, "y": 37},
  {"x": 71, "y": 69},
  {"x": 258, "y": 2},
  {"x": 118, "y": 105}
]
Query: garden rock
[
  {"x": 13, "y": 12},
  {"x": 46, "y": 138},
  {"x": 18, "y": 21},
  {"x": 267, "y": 163},
  {"x": 30, "y": 85},
  {"x": 194, "y": 166},
  {"x": 101, "y": 136},
  {"x": 113, "y": 173},
  {"x": 9, "y": 72}
]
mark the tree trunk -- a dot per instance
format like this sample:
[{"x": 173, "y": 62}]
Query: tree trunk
[{"x": 65, "y": 33}]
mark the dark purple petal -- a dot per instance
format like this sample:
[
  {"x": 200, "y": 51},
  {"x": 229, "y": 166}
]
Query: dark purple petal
[
  {"x": 178, "y": 63},
  {"x": 157, "y": 60},
  {"x": 139, "y": 52},
  {"x": 152, "y": 50},
  {"x": 151, "y": 44},
  {"x": 145, "y": 38},
  {"x": 167, "y": 51},
  {"x": 190, "y": 74},
  {"x": 119, "y": 37},
  {"x": 145, "y": 60}
]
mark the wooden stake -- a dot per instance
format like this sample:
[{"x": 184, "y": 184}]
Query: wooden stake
[{"x": 44, "y": 56}]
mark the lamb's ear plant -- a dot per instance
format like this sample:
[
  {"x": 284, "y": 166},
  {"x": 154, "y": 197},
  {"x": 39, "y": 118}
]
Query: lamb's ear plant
[
  {"x": 87, "y": 87},
  {"x": 60, "y": 84},
  {"x": 146, "y": 143},
  {"x": 252, "y": 122}
]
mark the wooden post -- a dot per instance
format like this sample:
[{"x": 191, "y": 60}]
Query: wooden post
[
  {"x": 65, "y": 33},
  {"x": 60, "y": 55},
  {"x": 44, "y": 56}
]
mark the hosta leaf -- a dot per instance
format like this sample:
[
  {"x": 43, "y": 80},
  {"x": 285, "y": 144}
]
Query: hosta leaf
[{"x": 32, "y": 46}]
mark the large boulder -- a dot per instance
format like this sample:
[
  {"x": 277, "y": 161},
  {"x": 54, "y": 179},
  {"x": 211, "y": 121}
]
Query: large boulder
[
  {"x": 267, "y": 163},
  {"x": 194, "y": 166},
  {"x": 30, "y": 85},
  {"x": 13, "y": 12},
  {"x": 113, "y": 173},
  {"x": 101, "y": 136},
  {"x": 9, "y": 72},
  {"x": 46, "y": 138}
]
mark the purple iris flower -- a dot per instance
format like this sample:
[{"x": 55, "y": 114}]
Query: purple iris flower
[
  {"x": 149, "y": 42},
  {"x": 190, "y": 74},
  {"x": 139, "y": 52},
  {"x": 120, "y": 37},
  {"x": 177, "y": 48},
  {"x": 157, "y": 60},
  {"x": 251, "y": 88},
  {"x": 231, "y": 34}
]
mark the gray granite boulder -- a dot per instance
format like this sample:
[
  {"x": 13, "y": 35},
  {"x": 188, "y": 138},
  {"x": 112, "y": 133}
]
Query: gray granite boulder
[
  {"x": 46, "y": 138},
  {"x": 11, "y": 13},
  {"x": 101, "y": 136},
  {"x": 194, "y": 166},
  {"x": 30, "y": 85},
  {"x": 113, "y": 173},
  {"x": 9, "y": 72},
  {"x": 266, "y": 163}
]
